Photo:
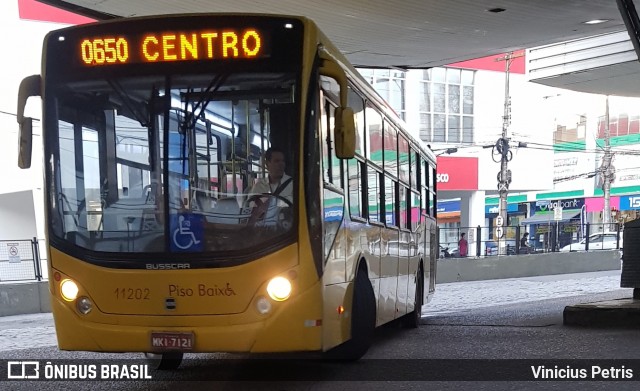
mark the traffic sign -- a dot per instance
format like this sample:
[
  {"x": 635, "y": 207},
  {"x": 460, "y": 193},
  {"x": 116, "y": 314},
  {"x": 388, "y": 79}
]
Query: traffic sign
[
  {"x": 14, "y": 254},
  {"x": 499, "y": 232},
  {"x": 557, "y": 213},
  {"x": 499, "y": 221}
]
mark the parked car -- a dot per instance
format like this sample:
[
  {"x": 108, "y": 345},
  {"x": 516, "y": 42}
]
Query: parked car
[
  {"x": 491, "y": 247},
  {"x": 449, "y": 252},
  {"x": 597, "y": 241}
]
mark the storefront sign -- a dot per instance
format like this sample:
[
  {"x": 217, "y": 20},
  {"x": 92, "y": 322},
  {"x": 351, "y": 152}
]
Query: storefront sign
[
  {"x": 448, "y": 206},
  {"x": 457, "y": 173},
  {"x": 547, "y": 206},
  {"x": 631, "y": 202}
]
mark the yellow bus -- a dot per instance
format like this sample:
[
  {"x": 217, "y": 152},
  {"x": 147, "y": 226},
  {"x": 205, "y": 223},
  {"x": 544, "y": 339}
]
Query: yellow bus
[{"x": 155, "y": 132}]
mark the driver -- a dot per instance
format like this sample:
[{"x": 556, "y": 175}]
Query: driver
[{"x": 276, "y": 182}]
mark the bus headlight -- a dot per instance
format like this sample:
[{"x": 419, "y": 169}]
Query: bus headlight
[
  {"x": 84, "y": 305},
  {"x": 279, "y": 288},
  {"x": 69, "y": 290}
]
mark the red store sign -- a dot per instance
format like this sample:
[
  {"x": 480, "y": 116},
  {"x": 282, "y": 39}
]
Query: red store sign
[{"x": 457, "y": 173}]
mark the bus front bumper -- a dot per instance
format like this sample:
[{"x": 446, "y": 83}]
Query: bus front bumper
[{"x": 293, "y": 326}]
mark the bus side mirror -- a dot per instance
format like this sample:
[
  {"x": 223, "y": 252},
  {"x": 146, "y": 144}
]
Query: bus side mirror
[
  {"x": 24, "y": 143},
  {"x": 29, "y": 86},
  {"x": 345, "y": 130},
  {"x": 345, "y": 133}
]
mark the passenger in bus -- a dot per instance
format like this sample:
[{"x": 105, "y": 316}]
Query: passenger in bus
[{"x": 276, "y": 183}]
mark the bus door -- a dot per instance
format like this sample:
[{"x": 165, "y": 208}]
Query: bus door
[{"x": 333, "y": 201}]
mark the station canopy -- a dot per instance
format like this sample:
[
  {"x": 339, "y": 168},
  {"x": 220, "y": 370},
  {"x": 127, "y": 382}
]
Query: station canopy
[{"x": 404, "y": 34}]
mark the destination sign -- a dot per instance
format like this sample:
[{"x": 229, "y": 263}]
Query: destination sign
[{"x": 172, "y": 46}]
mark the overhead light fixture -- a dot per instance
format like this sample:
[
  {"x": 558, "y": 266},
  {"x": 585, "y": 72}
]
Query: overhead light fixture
[{"x": 596, "y": 21}]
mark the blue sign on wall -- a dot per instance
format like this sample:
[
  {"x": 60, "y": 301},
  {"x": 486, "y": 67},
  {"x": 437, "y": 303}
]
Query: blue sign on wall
[
  {"x": 631, "y": 202},
  {"x": 448, "y": 206},
  {"x": 495, "y": 209}
]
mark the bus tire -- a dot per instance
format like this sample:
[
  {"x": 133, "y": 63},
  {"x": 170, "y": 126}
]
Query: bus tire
[
  {"x": 164, "y": 361},
  {"x": 363, "y": 321},
  {"x": 412, "y": 320}
]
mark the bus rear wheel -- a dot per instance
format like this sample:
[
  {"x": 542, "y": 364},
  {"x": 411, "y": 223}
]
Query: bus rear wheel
[
  {"x": 412, "y": 320},
  {"x": 164, "y": 361},
  {"x": 363, "y": 322}
]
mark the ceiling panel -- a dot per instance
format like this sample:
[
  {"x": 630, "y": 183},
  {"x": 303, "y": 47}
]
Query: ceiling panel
[
  {"x": 409, "y": 33},
  {"x": 619, "y": 79}
]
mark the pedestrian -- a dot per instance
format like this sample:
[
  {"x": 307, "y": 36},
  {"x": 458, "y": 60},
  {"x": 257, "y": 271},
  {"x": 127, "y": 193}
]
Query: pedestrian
[
  {"x": 463, "y": 246},
  {"x": 524, "y": 244}
]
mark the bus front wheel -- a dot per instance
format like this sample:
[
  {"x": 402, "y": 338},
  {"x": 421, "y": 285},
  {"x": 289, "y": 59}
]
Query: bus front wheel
[
  {"x": 363, "y": 321},
  {"x": 164, "y": 361}
]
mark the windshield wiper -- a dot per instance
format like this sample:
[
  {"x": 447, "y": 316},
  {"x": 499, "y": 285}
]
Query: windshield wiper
[
  {"x": 133, "y": 107},
  {"x": 205, "y": 98}
]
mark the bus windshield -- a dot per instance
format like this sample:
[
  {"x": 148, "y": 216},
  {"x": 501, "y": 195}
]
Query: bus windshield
[{"x": 172, "y": 163}]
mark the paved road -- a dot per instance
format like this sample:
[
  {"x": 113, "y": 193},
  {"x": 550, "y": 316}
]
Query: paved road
[
  {"x": 510, "y": 320},
  {"x": 37, "y": 330}
]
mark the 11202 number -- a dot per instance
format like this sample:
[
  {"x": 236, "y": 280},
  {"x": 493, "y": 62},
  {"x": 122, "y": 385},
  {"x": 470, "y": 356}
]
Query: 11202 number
[{"x": 132, "y": 293}]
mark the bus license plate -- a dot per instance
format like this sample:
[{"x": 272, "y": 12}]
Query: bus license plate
[{"x": 172, "y": 341}]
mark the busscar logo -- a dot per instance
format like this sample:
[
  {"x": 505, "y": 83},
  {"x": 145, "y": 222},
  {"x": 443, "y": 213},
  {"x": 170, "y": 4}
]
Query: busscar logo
[
  {"x": 167, "y": 266},
  {"x": 23, "y": 370}
]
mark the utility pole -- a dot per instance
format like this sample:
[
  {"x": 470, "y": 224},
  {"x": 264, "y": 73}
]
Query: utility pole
[
  {"x": 607, "y": 172},
  {"x": 502, "y": 149}
]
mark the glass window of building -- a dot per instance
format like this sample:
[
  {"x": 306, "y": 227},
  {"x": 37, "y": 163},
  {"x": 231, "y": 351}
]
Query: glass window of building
[
  {"x": 390, "y": 84},
  {"x": 446, "y": 105},
  {"x": 439, "y": 128},
  {"x": 444, "y": 96},
  {"x": 425, "y": 126}
]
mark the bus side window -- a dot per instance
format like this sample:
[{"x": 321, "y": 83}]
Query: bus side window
[
  {"x": 415, "y": 210},
  {"x": 330, "y": 163},
  {"x": 355, "y": 186},
  {"x": 373, "y": 191},
  {"x": 432, "y": 192},
  {"x": 424, "y": 180},
  {"x": 413, "y": 170},
  {"x": 357, "y": 104},
  {"x": 374, "y": 132},
  {"x": 390, "y": 201},
  {"x": 390, "y": 152}
]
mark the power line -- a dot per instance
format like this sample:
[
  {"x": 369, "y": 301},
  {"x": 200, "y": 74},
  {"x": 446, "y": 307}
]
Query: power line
[{"x": 15, "y": 115}]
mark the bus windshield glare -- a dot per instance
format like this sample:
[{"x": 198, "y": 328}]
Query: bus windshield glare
[{"x": 111, "y": 191}]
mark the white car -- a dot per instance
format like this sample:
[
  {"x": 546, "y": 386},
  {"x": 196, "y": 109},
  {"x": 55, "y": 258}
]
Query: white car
[{"x": 599, "y": 241}]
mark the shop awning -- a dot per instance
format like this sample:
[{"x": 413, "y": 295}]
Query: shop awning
[{"x": 545, "y": 218}]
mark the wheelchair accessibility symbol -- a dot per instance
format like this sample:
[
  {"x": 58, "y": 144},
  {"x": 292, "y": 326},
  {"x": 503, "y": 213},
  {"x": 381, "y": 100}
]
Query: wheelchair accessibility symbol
[{"x": 186, "y": 232}]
